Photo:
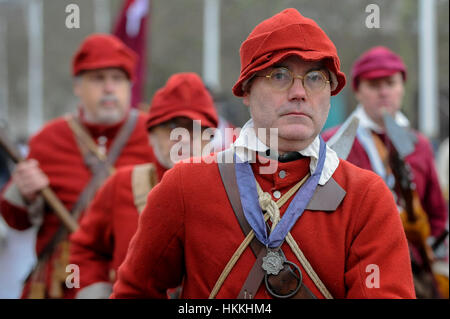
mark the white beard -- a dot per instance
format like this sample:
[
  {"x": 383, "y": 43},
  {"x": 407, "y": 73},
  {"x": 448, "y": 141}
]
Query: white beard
[{"x": 104, "y": 116}]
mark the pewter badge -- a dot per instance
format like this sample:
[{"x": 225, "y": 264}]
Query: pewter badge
[{"x": 272, "y": 263}]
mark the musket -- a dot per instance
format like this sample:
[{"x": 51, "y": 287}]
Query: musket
[
  {"x": 400, "y": 144},
  {"x": 407, "y": 190},
  {"x": 439, "y": 240},
  {"x": 47, "y": 193}
]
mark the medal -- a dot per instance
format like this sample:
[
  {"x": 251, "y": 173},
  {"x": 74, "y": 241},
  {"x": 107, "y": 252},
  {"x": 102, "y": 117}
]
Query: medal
[
  {"x": 273, "y": 262},
  {"x": 283, "y": 278}
]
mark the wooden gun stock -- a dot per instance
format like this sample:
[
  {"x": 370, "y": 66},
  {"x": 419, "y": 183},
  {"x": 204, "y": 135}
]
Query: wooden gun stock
[
  {"x": 50, "y": 197},
  {"x": 412, "y": 206}
]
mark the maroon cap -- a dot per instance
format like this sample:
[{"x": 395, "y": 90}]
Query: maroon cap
[{"x": 376, "y": 63}]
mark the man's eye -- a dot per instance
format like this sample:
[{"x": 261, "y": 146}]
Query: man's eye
[
  {"x": 315, "y": 77},
  {"x": 390, "y": 83},
  {"x": 97, "y": 78},
  {"x": 118, "y": 78},
  {"x": 280, "y": 75}
]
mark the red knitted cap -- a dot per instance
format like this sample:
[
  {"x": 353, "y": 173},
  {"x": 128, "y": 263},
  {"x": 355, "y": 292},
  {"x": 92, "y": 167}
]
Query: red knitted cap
[
  {"x": 377, "y": 62},
  {"x": 100, "y": 51},
  {"x": 184, "y": 95},
  {"x": 287, "y": 33}
]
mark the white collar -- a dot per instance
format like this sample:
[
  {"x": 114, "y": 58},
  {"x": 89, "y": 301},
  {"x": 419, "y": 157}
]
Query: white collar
[
  {"x": 366, "y": 122},
  {"x": 247, "y": 144}
]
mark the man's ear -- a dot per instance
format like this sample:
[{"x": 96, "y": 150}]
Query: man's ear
[
  {"x": 76, "y": 86},
  {"x": 151, "y": 138},
  {"x": 246, "y": 98},
  {"x": 357, "y": 95}
]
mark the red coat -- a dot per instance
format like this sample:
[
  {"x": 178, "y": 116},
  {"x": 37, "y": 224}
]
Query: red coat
[
  {"x": 101, "y": 241},
  {"x": 189, "y": 230},
  {"x": 422, "y": 164},
  {"x": 56, "y": 150}
]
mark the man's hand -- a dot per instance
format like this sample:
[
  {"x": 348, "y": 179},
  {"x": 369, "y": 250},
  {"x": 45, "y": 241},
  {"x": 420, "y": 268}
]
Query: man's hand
[{"x": 29, "y": 179}]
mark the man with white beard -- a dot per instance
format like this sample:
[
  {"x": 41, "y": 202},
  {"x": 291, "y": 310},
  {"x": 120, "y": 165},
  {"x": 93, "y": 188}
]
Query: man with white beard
[{"x": 70, "y": 152}]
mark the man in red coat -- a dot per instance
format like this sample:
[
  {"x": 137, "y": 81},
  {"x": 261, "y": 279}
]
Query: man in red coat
[
  {"x": 378, "y": 78},
  {"x": 334, "y": 230},
  {"x": 68, "y": 150},
  {"x": 101, "y": 242}
]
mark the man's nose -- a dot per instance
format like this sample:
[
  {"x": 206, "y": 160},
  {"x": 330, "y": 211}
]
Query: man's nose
[
  {"x": 108, "y": 85},
  {"x": 297, "y": 91},
  {"x": 384, "y": 89}
]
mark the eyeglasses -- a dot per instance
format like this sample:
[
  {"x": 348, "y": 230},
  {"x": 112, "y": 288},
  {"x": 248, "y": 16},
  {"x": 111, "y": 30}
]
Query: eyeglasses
[{"x": 282, "y": 79}]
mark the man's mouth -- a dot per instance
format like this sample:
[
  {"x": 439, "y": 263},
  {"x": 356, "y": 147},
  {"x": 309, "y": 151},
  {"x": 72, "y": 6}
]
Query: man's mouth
[
  {"x": 108, "y": 102},
  {"x": 384, "y": 104},
  {"x": 294, "y": 114}
]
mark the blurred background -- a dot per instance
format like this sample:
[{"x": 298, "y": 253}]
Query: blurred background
[
  {"x": 38, "y": 39},
  {"x": 204, "y": 36}
]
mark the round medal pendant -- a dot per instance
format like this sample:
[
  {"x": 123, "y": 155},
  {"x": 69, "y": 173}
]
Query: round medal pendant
[
  {"x": 272, "y": 263},
  {"x": 287, "y": 283}
]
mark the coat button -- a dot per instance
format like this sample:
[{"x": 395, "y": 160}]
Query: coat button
[
  {"x": 282, "y": 174},
  {"x": 277, "y": 194}
]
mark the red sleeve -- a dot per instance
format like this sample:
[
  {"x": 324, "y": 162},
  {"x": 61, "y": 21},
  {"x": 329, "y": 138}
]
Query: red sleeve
[
  {"x": 378, "y": 263},
  {"x": 92, "y": 244},
  {"x": 155, "y": 256},
  {"x": 15, "y": 216},
  {"x": 433, "y": 199}
]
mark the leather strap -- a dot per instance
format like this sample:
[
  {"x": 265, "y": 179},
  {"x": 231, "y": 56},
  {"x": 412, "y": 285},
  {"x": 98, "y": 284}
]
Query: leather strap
[
  {"x": 102, "y": 169},
  {"x": 101, "y": 173},
  {"x": 327, "y": 197},
  {"x": 88, "y": 147},
  {"x": 228, "y": 175},
  {"x": 143, "y": 179},
  {"x": 256, "y": 274},
  {"x": 285, "y": 282},
  {"x": 254, "y": 278}
]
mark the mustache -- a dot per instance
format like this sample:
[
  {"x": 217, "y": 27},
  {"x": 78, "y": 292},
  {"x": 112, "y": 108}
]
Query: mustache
[{"x": 109, "y": 98}]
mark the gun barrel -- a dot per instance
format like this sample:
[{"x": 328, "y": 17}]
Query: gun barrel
[{"x": 440, "y": 239}]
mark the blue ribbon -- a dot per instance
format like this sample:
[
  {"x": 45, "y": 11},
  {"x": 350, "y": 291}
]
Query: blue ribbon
[{"x": 252, "y": 210}]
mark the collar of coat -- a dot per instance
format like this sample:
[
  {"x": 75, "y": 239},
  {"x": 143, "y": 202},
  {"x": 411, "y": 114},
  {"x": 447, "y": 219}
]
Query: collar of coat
[
  {"x": 366, "y": 122},
  {"x": 247, "y": 145}
]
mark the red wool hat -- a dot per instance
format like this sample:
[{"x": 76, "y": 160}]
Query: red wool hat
[
  {"x": 376, "y": 63},
  {"x": 287, "y": 33},
  {"x": 100, "y": 51},
  {"x": 184, "y": 95}
]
